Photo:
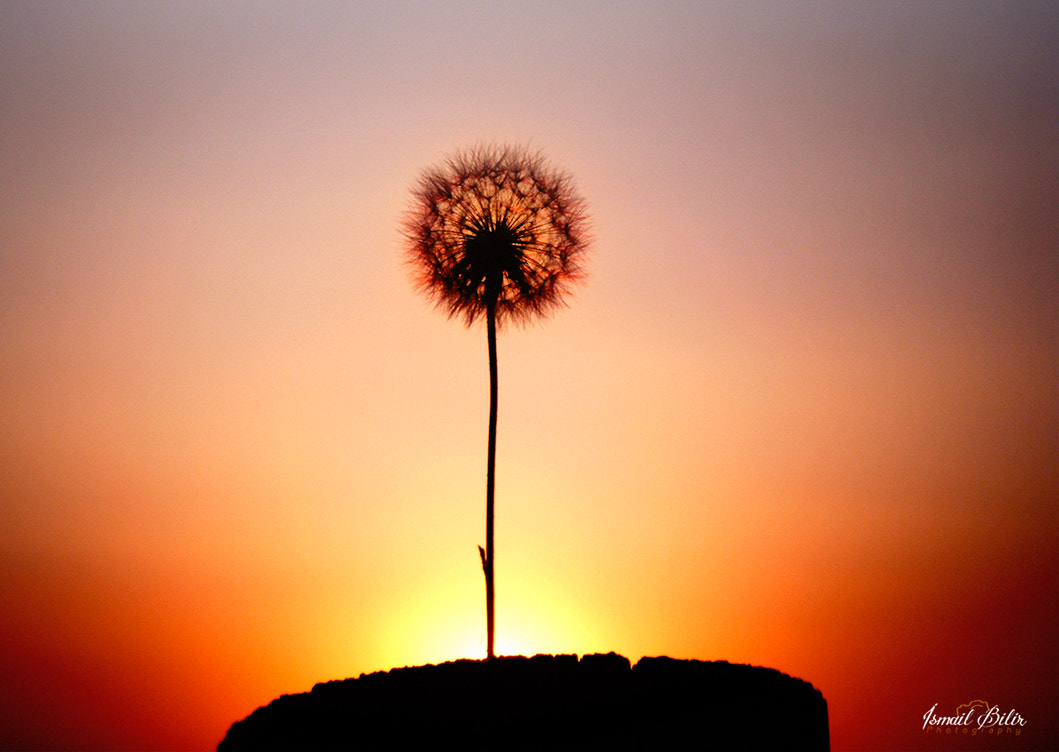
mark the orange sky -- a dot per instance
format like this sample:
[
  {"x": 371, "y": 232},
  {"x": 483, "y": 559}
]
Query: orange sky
[{"x": 803, "y": 415}]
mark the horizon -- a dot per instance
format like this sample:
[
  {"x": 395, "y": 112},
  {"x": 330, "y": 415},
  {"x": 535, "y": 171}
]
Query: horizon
[{"x": 802, "y": 414}]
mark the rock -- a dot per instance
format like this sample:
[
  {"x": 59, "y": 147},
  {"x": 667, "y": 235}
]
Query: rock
[{"x": 547, "y": 702}]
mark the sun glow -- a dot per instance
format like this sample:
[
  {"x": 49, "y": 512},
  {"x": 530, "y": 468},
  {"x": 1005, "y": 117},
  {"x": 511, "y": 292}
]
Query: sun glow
[
  {"x": 447, "y": 622},
  {"x": 519, "y": 634}
]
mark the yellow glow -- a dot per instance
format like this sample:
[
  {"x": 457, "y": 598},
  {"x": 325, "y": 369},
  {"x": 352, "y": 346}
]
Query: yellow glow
[{"x": 443, "y": 619}]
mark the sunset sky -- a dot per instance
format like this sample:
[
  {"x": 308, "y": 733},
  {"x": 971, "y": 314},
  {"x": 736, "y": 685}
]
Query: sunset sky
[{"x": 803, "y": 414}]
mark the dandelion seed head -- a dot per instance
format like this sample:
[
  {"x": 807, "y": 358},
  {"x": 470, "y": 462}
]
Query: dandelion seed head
[{"x": 496, "y": 226}]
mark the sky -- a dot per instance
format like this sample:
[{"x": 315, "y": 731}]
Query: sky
[{"x": 803, "y": 414}]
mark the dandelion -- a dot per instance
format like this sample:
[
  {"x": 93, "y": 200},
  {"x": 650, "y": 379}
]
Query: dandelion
[{"x": 495, "y": 233}]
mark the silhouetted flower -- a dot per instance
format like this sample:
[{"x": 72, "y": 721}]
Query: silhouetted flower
[
  {"x": 496, "y": 226},
  {"x": 495, "y": 231}
]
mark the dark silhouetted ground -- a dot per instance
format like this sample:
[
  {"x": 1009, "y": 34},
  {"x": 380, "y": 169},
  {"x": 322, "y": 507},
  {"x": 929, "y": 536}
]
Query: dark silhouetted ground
[{"x": 546, "y": 703}]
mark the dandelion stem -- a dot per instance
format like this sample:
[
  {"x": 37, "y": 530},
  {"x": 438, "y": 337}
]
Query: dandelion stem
[{"x": 490, "y": 483}]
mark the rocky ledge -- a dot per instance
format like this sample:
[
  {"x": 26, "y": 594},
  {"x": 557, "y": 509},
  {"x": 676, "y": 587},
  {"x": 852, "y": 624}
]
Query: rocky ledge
[{"x": 547, "y": 702}]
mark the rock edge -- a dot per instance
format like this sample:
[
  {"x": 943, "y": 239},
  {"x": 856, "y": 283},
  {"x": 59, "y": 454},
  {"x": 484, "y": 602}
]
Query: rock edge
[{"x": 551, "y": 702}]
